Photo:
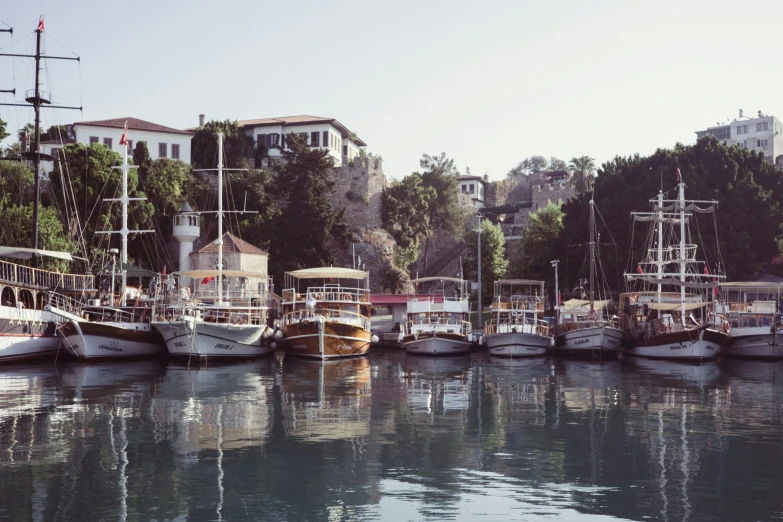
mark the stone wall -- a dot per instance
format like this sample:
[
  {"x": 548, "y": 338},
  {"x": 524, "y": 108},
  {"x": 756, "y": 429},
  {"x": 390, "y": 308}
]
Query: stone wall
[{"x": 358, "y": 187}]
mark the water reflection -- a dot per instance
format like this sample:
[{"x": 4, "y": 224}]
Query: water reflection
[{"x": 391, "y": 437}]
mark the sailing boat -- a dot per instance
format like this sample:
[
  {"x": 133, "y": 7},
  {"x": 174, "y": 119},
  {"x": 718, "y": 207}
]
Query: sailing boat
[
  {"x": 112, "y": 332},
  {"x": 229, "y": 325},
  {"x": 27, "y": 325},
  {"x": 582, "y": 326},
  {"x": 670, "y": 329}
]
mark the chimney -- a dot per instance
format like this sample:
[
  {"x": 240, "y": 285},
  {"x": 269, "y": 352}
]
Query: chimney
[{"x": 200, "y": 120}]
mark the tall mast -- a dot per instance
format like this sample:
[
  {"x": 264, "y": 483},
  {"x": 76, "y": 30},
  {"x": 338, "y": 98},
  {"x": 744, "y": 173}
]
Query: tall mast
[
  {"x": 681, "y": 204},
  {"x": 659, "y": 250},
  {"x": 220, "y": 218},
  {"x": 37, "y": 141},
  {"x": 592, "y": 253}
]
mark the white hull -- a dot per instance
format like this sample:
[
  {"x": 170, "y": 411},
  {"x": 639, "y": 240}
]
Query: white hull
[
  {"x": 590, "y": 339},
  {"x": 698, "y": 349},
  {"x": 437, "y": 346},
  {"x": 214, "y": 340},
  {"x": 112, "y": 340},
  {"x": 516, "y": 344},
  {"x": 26, "y": 334},
  {"x": 21, "y": 347},
  {"x": 755, "y": 342}
]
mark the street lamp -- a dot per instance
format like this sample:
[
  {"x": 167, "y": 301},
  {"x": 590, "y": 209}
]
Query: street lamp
[
  {"x": 554, "y": 263},
  {"x": 480, "y": 311}
]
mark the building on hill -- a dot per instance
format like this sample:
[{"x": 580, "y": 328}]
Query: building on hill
[
  {"x": 475, "y": 188},
  {"x": 238, "y": 254},
  {"x": 762, "y": 134},
  {"x": 162, "y": 141},
  {"x": 324, "y": 133}
]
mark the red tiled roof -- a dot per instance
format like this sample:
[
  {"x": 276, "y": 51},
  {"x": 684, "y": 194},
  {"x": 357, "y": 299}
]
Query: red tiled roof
[
  {"x": 133, "y": 124},
  {"x": 231, "y": 244},
  {"x": 301, "y": 120}
]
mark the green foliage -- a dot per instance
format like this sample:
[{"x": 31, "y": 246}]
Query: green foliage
[
  {"x": 405, "y": 257},
  {"x": 3, "y": 133},
  {"x": 55, "y": 132},
  {"x": 493, "y": 262},
  {"x": 239, "y": 149},
  {"x": 404, "y": 210},
  {"x": 257, "y": 189},
  {"x": 18, "y": 222},
  {"x": 394, "y": 280},
  {"x": 444, "y": 212},
  {"x": 16, "y": 183},
  {"x": 536, "y": 165},
  {"x": 305, "y": 232},
  {"x": 582, "y": 171},
  {"x": 539, "y": 245}
]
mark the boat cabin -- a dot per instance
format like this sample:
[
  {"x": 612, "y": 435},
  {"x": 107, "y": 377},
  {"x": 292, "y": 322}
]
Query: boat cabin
[{"x": 438, "y": 304}]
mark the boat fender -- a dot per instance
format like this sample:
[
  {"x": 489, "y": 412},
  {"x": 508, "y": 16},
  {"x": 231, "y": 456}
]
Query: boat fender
[
  {"x": 726, "y": 326},
  {"x": 374, "y": 339},
  {"x": 278, "y": 334},
  {"x": 346, "y": 297},
  {"x": 273, "y": 345},
  {"x": 661, "y": 328}
]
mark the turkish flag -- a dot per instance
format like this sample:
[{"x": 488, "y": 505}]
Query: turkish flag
[
  {"x": 639, "y": 269},
  {"x": 206, "y": 280},
  {"x": 124, "y": 138},
  {"x": 706, "y": 270},
  {"x": 40, "y": 24}
]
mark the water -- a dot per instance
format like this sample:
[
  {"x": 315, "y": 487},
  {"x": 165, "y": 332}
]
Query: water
[{"x": 392, "y": 437}]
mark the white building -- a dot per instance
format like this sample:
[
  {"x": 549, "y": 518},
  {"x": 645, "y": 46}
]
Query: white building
[
  {"x": 473, "y": 187},
  {"x": 323, "y": 133},
  {"x": 162, "y": 141},
  {"x": 761, "y": 134}
]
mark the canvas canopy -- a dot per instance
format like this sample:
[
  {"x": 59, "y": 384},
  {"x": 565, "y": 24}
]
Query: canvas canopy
[
  {"x": 675, "y": 306},
  {"x": 579, "y": 305},
  {"x": 27, "y": 253},
  {"x": 195, "y": 274},
  {"x": 329, "y": 272}
]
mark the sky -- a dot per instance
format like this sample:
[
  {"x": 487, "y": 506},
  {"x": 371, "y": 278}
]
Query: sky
[{"x": 488, "y": 83}]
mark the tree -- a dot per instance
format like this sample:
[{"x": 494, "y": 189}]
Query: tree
[
  {"x": 557, "y": 164},
  {"x": 307, "y": 229},
  {"x": 582, "y": 171},
  {"x": 539, "y": 245},
  {"x": 493, "y": 262},
  {"x": 534, "y": 164},
  {"x": 16, "y": 183},
  {"x": 404, "y": 212},
  {"x": 237, "y": 147},
  {"x": 55, "y": 132},
  {"x": 444, "y": 212},
  {"x": 3, "y": 133}
]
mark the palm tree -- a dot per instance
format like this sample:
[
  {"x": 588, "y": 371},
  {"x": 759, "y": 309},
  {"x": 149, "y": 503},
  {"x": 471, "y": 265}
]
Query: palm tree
[{"x": 582, "y": 171}]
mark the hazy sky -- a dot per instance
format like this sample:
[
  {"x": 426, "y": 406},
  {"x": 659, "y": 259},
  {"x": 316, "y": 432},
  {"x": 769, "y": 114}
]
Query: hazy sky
[{"x": 489, "y": 83}]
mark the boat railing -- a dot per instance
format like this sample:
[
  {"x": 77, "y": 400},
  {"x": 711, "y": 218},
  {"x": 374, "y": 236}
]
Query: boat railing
[
  {"x": 335, "y": 294},
  {"x": 21, "y": 275},
  {"x": 666, "y": 325},
  {"x": 536, "y": 326},
  {"x": 332, "y": 315},
  {"x": 458, "y": 327},
  {"x": 526, "y": 303},
  {"x": 569, "y": 326}
]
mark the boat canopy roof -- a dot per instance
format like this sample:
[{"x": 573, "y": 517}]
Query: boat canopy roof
[
  {"x": 580, "y": 305},
  {"x": 27, "y": 253},
  {"x": 519, "y": 282},
  {"x": 750, "y": 286},
  {"x": 214, "y": 273},
  {"x": 675, "y": 306},
  {"x": 426, "y": 279},
  {"x": 328, "y": 272}
]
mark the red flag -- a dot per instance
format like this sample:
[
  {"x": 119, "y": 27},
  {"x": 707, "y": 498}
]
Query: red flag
[
  {"x": 164, "y": 269},
  {"x": 639, "y": 268},
  {"x": 40, "y": 24},
  {"x": 706, "y": 270},
  {"x": 679, "y": 176},
  {"x": 559, "y": 298},
  {"x": 124, "y": 139},
  {"x": 206, "y": 280}
]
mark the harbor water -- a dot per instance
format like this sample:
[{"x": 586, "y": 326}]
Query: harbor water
[{"x": 392, "y": 436}]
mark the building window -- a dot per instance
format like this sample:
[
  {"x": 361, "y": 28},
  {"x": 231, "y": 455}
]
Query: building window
[
  {"x": 93, "y": 139},
  {"x": 274, "y": 140},
  {"x": 175, "y": 151},
  {"x": 742, "y": 129},
  {"x": 464, "y": 188},
  {"x": 314, "y": 139},
  {"x": 107, "y": 142},
  {"x": 345, "y": 150},
  {"x": 326, "y": 139},
  {"x": 762, "y": 143},
  {"x": 56, "y": 152},
  {"x": 745, "y": 144},
  {"x": 762, "y": 126},
  {"x": 130, "y": 145},
  {"x": 472, "y": 188},
  {"x": 162, "y": 150}
]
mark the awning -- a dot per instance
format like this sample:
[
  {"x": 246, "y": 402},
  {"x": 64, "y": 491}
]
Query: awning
[
  {"x": 579, "y": 305},
  {"x": 195, "y": 274},
  {"x": 27, "y": 253},
  {"x": 328, "y": 272},
  {"x": 675, "y": 306}
]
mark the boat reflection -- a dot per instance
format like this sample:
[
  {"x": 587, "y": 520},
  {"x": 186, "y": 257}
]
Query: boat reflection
[{"x": 437, "y": 385}]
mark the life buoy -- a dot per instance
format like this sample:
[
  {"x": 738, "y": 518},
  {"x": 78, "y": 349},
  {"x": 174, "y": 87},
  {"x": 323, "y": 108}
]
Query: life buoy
[
  {"x": 661, "y": 328},
  {"x": 726, "y": 326},
  {"x": 346, "y": 297}
]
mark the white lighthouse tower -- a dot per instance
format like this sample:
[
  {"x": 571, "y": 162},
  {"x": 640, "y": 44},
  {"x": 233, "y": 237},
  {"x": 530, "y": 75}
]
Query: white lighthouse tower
[{"x": 187, "y": 229}]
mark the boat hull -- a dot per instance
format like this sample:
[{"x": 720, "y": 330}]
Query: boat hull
[
  {"x": 686, "y": 345},
  {"x": 588, "y": 340},
  {"x": 26, "y": 334},
  {"x": 326, "y": 340},
  {"x": 516, "y": 344},
  {"x": 436, "y": 343},
  {"x": 756, "y": 342},
  {"x": 94, "y": 340},
  {"x": 213, "y": 340}
]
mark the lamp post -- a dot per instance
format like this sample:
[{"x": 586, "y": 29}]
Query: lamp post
[
  {"x": 480, "y": 311},
  {"x": 554, "y": 263}
]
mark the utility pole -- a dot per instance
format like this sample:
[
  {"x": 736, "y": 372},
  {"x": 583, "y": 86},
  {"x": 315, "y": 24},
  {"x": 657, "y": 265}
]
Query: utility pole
[
  {"x": 554, "y": 263},
  {"x": 480, "y": 310}
]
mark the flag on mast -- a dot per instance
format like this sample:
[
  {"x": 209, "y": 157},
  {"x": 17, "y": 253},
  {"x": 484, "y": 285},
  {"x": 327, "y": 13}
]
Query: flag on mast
[
  {"x": 639, "y": 268},
  {"x": 41, "y": 24},
  {"x": 124, "y": 138},
  {"x": 706, "y": 270},
  {"x": 679, "y": 176}
]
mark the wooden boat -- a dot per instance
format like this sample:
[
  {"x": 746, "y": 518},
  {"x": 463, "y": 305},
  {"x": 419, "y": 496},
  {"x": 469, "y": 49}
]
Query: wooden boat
[
  {"x": 754, "y": 314},
  {"x": 583, "y": 327},
  {"x": 330, "y": 319},
  {"x": 438, "y": 318},
  {"x": 517, "y": 327},
  {"x": 661, "y": 323}
]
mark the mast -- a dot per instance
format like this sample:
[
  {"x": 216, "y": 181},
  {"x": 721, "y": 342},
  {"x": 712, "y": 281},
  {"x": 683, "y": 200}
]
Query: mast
[
  {"x": 681, "y": 204},
  {"x": 659, "y": 250},
  {"x": 37, "y": 141},
  {"x": 592, "y": 253},
  {"x": 220, "y": 219}
]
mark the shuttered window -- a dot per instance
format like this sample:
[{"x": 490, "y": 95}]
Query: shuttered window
[
  {"x": 261, "y": 141},
  {"x": 163, "y": 151},
  {"x": 314, "y": 139},
  {"x": 326, "y": 139},
  {"x": 175, "y": 151}
]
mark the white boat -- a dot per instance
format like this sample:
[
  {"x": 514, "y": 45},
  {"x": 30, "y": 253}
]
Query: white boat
[
  {"x": 329, "y": 316},
  {"x": 753, "y": 311},
  {"x": 438, "y": 318},
  {"x": 668, "y": 314},
  {"x": 516, "y": 327},
  {"x": 583, "y": 327},
  {"x": 227, "y": 319}
]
